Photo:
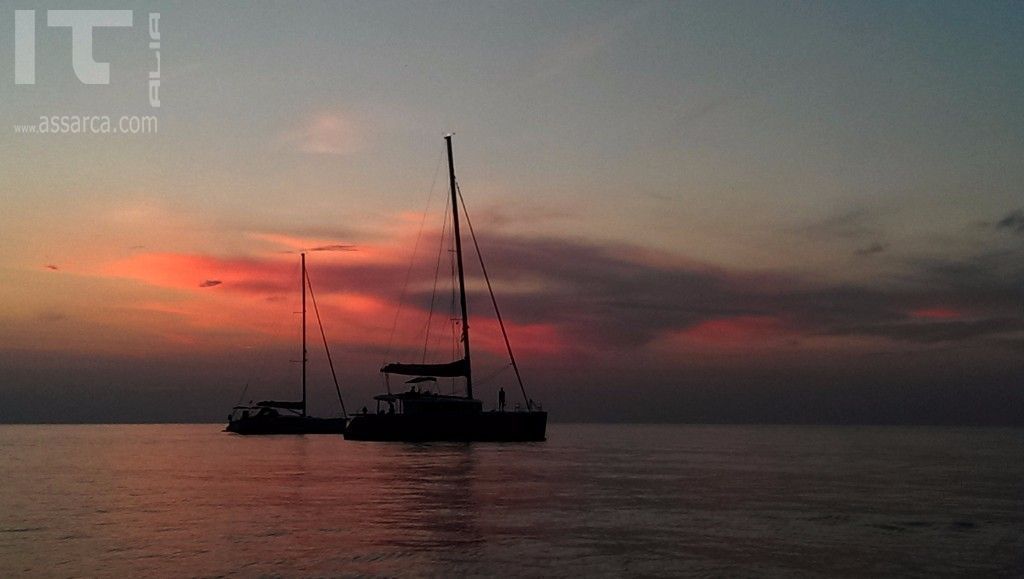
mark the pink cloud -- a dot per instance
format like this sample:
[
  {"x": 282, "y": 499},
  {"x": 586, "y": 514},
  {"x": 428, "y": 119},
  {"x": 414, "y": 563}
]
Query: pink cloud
[
  {"x": 938, "y": 313},
  {"x": 327, "y": 134},
  {"x": 737, "y": 330}
]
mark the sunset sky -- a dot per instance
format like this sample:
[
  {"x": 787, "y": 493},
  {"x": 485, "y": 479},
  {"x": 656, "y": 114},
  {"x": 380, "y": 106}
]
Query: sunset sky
[{"x": 715, "y": 211}]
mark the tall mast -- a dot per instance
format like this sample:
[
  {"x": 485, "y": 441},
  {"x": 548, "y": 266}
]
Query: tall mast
[
  {"x": 304, "y": 357},
  {"x": 462, "y": 277}
]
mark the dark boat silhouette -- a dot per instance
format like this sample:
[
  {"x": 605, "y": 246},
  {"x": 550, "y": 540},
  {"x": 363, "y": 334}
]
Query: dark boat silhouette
[
  {"x": 420, "y": 415},
  {"x": 289, "y": 417}
]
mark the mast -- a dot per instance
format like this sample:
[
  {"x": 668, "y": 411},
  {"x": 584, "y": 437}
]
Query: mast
[
  {"x": 462, "y": 277},
  {"x": 304, "y": 357}
]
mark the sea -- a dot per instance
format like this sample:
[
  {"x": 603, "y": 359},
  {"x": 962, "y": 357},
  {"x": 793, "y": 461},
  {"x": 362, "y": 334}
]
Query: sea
[{"x": 594, "y": 500}]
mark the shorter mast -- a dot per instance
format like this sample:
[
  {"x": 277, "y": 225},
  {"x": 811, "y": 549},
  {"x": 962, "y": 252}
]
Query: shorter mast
[{"x": 304, "y": 355}]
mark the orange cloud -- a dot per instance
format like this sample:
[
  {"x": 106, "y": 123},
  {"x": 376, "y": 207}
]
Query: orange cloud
[
  {"x": 260, "y": 295},
  {"x": 190, "y": 271}
]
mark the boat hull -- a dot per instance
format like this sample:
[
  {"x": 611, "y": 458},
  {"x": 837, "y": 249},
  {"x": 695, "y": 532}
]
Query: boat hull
[
  {"x": 286, "y": 425},
  {"x": 483, "y": 427}
]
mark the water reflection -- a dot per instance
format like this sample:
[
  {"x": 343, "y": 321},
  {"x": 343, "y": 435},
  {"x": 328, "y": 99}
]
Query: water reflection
[
  {"x": 593, "y": 500},
  {"x": 423, "y": 496}
]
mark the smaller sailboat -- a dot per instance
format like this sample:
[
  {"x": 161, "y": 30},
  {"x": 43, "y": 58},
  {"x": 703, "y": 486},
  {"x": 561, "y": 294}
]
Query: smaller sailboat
[{"x": 290, "y": 417}]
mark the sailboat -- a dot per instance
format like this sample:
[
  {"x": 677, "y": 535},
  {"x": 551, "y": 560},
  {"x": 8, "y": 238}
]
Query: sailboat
[
  {"x": 422, "y": 415},
  {"x": 289, "y": 417}
]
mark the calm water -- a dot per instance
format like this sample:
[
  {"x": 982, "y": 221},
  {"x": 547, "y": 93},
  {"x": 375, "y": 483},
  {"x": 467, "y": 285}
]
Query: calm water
[{"x": 188, "y": 500}]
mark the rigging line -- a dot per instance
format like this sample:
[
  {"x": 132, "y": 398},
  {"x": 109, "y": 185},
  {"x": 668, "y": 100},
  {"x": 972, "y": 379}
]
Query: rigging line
[
  {"x": 433, "y": 292},
  {"x": 494, "y": 302},
  {"x": 412, "y": 259},
  {"x": 258, "y": 364},
  {"x": 240, "y": 398},
  {"x": 492, "y": 375},
  {"x": 323, "y": 335}
]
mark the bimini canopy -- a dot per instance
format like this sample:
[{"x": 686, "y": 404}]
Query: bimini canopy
[
  {"x": 449, "y": 370},
  {"x": 278, "y": 404}
]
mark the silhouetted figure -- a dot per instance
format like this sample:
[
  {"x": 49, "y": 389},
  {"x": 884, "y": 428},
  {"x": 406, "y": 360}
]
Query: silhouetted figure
[
  {"x": 391, "y": 407},
  {"x": 501, "y": 399},
  {"x": 364, "y": 410}
]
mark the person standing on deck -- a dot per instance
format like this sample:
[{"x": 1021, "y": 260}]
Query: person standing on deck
[{"x": 501, "y": 399}]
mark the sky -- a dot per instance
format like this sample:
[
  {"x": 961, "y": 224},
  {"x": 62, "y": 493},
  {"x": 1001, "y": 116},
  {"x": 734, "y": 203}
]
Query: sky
[{"x": 691, "y": 211}]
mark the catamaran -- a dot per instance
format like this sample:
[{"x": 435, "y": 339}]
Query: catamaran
[
  {"x": 422, "y": 415},
  {"x": 290, "y": 417}
]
